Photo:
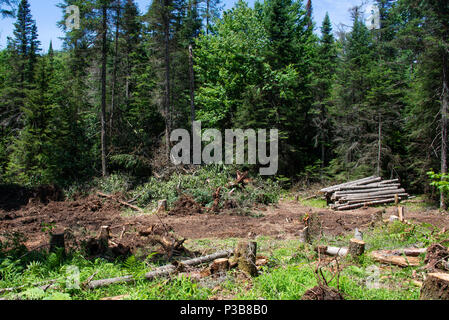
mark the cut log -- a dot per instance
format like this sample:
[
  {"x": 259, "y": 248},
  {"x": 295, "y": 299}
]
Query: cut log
[
  {"x": 332, "y": 251},
  {"x": 355, "y": 182},
  {"x": 372, "y": 194},
  {"x": 161, "y": 271},
  {"x": 245, "y": 254},
  {"x": 409, "y": 252},
  {"x": 362, "y": 204},
  {"x": 370, "y": 186},
  {"x": 387, "y": 258},
  {"x": 339, "y": 194},
  {"x": 435, "y": 287},
  {"x": 356, "y": 247}
]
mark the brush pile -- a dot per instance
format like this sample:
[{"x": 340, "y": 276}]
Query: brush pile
[{"x": 363, "y": 193}]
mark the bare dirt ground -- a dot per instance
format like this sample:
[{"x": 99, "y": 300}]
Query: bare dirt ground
[{"x": 84, "y": 217}]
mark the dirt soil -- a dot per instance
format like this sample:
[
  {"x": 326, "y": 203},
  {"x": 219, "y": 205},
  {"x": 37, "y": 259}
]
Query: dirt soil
[{"x": 84, "y": 217}]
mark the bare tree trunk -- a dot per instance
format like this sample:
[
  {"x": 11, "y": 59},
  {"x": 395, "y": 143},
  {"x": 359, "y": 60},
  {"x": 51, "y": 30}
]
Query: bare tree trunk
[
  {"x": 444, "y": 124},
  {"x": 192, "y": 85},
  {"x": 379, "y": 152},
  {"x": 167, "y": 80},
  {"x": 103, "y": 91},
  {"x": 114, "y": 73},
  {"x": 207, "y": 16}
]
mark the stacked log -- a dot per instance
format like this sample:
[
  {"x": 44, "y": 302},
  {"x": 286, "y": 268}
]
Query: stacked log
[{"x": 364, "y": 192}]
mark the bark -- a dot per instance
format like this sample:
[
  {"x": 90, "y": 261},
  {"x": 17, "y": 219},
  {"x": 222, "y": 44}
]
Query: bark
[
  {"x": 363, "y": 181},
  {"x": 356, "y": 247},
  {"x": 167, "y": 106},
  {"x": 192, "y": 86},
  {"x": 387, "y": 258},
  {"x": 379, "y": 151},
  {"x": 435, "y": 287},
  {"x": 245, "y": 255},
  {"x": 114, "y": 73},
  {"x": 444, "y": 124},
  {"x": 104, "y": 55},
  {"x": 161, "y": 271}
]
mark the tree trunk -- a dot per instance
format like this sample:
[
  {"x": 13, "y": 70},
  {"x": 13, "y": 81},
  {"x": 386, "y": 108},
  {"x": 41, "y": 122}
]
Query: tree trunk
[
  {"x": 207, "y": 16},
  {"x": 167, "y": 107},
  {"x": 114, "y": 73},
  {"x": 444, "y": 124},
  {"x": 192, "y": 85},
  {"x": 379, "y": 151},
  {"x": 103, "y": 91}
]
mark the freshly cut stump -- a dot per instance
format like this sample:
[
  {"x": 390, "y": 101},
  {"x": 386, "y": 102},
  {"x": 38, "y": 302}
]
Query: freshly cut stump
[
  {"x": 245, "y": 255},
  {"x": 356, "y": 247},
  {"x": 304, "y": 235},
  {"x": 435, "y": 287},
  {"x": 313, "y": 222},
  {"x": 220, "y": 266},
  {"x": 322, "y": 293}
]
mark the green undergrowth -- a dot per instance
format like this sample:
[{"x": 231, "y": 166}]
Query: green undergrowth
[
  {"x": 290, "y": 271},
  {"x": 200, "y": 185}
]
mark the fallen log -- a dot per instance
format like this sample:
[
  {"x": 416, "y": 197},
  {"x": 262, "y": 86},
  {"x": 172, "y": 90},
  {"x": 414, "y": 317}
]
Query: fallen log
[
  {"x": 332, "y": 251},
  {"x": 351, "y": 183},
  {"x": 388, "y": 258},
  {"x": 161, "y": 271},
  {"x": 372, "y": 194},
  {"x": 362, "y": 204},
  {"x": 339, "y": 194},
  {"x": 120, "y": 201}
]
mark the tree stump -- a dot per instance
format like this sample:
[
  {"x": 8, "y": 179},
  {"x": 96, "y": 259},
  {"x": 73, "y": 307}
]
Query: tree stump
[
  {"x": 377, "y": 217},
  {"x": 104, "y": 237},
  {"x": 304, "y": 235},
  {"x": 356, "y": 247},
  {"x": 162, "y": 206},
  {"x": 57, "y": 242},
  {"x": 313, "y": 222},
  {"x": 245, "y": 255},
  {"x": 220, "y": 266},
  {"x": 435, "y": 287},
  {"x": 401, "y": 214}
]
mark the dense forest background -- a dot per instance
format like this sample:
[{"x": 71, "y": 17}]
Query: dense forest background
[{"x": 347, "y": 104}]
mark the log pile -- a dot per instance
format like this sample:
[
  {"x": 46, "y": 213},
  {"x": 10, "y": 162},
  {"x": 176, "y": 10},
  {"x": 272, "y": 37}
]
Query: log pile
[{"x": 365, "y": 192}]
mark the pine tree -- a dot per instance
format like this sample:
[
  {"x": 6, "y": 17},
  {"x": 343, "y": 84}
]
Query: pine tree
[{"x": 323, "y": 76}]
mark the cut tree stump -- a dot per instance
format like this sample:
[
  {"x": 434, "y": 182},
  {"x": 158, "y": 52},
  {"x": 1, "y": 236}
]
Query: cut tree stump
[
  {"x": 435, "y": 287},
  {"x": 57, "y": 241},
  {"x": 401, "y": 214},
  {"x": 245, "y": 255},
  {"x": 220, "y": 266},
  {"x": 377, "y": 217},
  {"x": 162, "y": 206},
  {"x": 356, "y": 247},
  {"x": 313, "y": 222},
  {"x": 304, "y": 235}
]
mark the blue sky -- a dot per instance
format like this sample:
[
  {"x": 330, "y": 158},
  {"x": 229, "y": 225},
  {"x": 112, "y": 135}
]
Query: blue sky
[{"x": 47, "y": 14}]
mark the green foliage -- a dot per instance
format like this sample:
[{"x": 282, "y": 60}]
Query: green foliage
[{"x": 440, "y": 181}]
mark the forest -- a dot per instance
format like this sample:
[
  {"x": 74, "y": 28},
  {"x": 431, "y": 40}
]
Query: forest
[
  {"x": 88, "y": 183},
  {"x": 347, "y": 104}
]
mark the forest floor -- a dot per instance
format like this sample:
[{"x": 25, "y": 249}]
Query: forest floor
[
  {"x": 287, "y": 267},
  {"x": 84, "y": 218}
]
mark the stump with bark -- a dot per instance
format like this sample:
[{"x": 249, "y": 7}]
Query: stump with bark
[
  {"x": 435, "y": 287},
  {"x": 356, "y": 247},
  {"x": 245, "y": 255},
  {"x": 57, "y": 242}
]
